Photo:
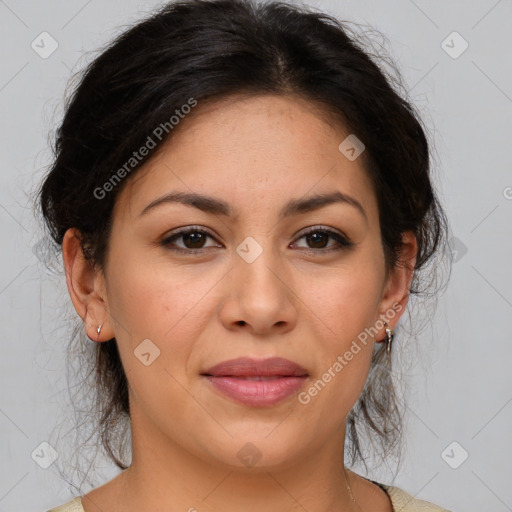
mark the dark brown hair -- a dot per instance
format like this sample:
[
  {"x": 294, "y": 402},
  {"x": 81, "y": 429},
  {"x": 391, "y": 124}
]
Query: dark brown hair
[{"x": 208, "y": 49}]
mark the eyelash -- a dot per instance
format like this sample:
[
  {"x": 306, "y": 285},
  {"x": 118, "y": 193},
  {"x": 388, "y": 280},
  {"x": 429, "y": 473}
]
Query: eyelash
[{"x": 343, "y": 241}]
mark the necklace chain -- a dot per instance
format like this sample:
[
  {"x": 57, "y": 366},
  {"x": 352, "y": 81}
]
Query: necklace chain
[{"x": 349, "y": 488}]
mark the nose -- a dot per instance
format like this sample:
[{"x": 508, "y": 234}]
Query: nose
[{"x": 259, "y": 296}]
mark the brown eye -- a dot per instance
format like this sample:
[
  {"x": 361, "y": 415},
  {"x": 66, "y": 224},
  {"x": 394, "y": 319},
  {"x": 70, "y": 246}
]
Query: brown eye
[
  {"x": 317, "y": 240},
  {"x": 192, "y": 239}
]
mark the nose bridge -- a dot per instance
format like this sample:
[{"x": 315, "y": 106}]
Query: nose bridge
[
  {"x": 259, "y": 294},
  {"x": 257, "y": 263}
]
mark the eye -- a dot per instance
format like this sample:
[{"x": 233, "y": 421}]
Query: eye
[
  {"x": 193, "y": 240},
  {"x": 318, "y": 237}
]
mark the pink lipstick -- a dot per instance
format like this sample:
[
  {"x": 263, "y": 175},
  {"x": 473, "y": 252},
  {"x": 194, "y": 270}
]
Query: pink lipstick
[{"x": 257, "y": 382}]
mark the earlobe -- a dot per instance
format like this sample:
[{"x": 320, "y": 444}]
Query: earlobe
[{"x": 84, "y": 283}]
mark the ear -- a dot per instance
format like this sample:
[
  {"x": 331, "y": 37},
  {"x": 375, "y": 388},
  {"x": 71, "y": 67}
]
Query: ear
[
  {"x": 396, "y": 290},
  {"x": 86, "y": 287}
]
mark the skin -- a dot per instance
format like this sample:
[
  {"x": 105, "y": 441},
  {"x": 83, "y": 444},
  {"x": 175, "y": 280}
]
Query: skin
[{"x": 297, "y": 300}]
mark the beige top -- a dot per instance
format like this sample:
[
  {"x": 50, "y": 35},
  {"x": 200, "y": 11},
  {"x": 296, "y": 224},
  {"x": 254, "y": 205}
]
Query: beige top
[{"x": 402, "y": 502}]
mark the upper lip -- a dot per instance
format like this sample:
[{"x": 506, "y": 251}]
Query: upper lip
[{"x": 248, "y": 367}]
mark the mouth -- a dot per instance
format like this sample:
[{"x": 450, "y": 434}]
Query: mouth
[
  {"x": 246, "y": 367},
  {"x": 257, "y": 383},
  {"x": 258, "y": 377}
]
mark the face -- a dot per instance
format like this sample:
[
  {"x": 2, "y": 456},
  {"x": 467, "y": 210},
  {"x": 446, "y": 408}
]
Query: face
[{"x": 260, "y": 271}]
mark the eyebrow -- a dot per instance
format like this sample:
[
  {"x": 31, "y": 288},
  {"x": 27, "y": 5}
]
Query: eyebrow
[{"x": 215, "y": 206}]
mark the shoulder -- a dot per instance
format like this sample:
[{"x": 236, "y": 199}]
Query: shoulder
[
  {"x": 75, "y": 505},
  {"x": 404, "y": 502},
  {"x": 401, "y": 500}
]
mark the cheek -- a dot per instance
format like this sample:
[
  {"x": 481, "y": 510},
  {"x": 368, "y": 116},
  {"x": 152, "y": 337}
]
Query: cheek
[
  {"x": 140, "y": 297},
  {"x": 156, "y": 303},
  {"x": 159, "y": 302},
  {"x": 345, "y": 300},
  {"x": 345, "y": 310}
]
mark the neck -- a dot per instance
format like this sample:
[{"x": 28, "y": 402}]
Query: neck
[{"x": 164, "y": 475}]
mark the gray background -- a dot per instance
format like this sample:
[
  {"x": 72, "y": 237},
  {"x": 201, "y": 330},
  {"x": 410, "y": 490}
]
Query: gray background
[{"x": 459, "y": 387}]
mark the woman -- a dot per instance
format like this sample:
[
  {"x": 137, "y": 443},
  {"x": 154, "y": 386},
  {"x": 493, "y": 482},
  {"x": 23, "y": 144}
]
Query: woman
[{"x": 244, "y": 204}]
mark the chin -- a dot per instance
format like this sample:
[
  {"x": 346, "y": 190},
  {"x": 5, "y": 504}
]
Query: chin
[{"x": 255, "y": 452}]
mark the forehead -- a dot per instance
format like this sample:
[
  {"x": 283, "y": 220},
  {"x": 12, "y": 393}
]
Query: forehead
[{"x": 263, "y": 149}]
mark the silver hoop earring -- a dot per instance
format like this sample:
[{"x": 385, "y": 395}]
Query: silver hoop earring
[
  {"x": 389, "y": 338},
  {"x": 99, "y": 329}
]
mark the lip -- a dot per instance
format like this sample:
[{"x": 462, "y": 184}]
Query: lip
[
  {"x": 257, "y": 382},
  {"x": 249, "y": 367}
]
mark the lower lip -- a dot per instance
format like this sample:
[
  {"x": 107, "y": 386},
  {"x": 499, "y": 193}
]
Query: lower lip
[{"x": 257, "y": 393}]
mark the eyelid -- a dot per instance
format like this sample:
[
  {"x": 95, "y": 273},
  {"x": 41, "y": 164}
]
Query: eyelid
[
  {"x": 319, "y": 227},
  {"x": 191, "y": 228},
  {"x": 343, "y": 241},
  {"x": 176, "y": 233}
]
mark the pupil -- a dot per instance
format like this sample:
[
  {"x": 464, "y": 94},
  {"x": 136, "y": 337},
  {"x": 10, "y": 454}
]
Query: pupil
[
  {"x": 196, "y": 238},
  {"x": 316, "y": 237}
]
